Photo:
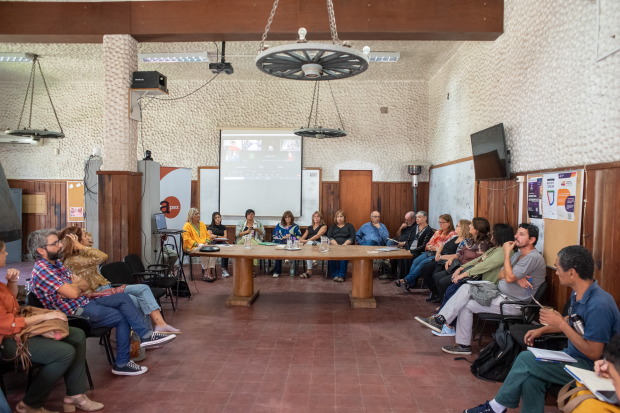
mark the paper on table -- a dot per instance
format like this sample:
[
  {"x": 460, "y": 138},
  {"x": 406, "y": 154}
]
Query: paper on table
[
  {"x": 373, "y": 252},
  {"x": 551, "y": 355},
  {"x": 387, "y": 249}
]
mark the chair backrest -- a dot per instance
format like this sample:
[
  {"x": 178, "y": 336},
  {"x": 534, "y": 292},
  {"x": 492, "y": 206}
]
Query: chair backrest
[
  {"x": 118, "y": 273},
  {"x": 33, "y": 300},
  {"x": 541, "y": 291},
  {"x": 135, "y": 263}
]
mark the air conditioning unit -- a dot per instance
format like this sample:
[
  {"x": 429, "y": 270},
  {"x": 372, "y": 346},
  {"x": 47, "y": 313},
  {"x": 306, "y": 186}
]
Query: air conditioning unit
[{"x": 23, "y": 140}]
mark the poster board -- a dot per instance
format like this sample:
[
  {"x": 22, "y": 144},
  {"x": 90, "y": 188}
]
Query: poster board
[
  {"x": 35, "y": 203},
  {"x": 560, "y": 233},
  {"x": 75, "y": 201}
]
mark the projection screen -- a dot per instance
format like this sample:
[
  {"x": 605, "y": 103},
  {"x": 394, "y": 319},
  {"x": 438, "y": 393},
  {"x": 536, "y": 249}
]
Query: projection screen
[{"x": 260, "y": 169}]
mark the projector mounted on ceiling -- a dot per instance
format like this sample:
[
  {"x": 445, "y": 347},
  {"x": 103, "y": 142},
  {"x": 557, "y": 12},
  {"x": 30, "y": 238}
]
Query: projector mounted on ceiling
[{"x": 223, "y": 66}]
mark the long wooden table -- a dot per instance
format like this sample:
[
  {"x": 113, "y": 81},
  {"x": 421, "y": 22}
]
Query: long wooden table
[{"x": 361, "y": 295}]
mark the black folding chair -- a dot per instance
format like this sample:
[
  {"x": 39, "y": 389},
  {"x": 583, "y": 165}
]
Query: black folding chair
[
  {"x": 119, "y": 273},
  {"x": 528, "y": 313},
  {"x": 154, "y": 277}
]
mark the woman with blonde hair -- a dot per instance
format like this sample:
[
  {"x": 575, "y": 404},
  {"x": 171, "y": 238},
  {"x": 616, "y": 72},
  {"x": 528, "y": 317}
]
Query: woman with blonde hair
[
  {"x": 83, "y": 261},
  {"x": 195, "y": 236},
  {"x": 313, "y": 234},
  {"x": 285, "y": 230},
  {"x": 340, "y": 233}
]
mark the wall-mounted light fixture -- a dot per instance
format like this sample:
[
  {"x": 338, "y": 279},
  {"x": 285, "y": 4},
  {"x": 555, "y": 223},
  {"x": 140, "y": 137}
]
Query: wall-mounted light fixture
[{"x": 16, "y": 57}]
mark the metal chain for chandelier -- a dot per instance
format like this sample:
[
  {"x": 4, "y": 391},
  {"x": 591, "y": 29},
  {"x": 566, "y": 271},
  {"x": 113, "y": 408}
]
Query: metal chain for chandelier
[
  {"x": 317, "y": 131},
  {"x": 28, "y": 131},
  {"x": 311, "y": 61}
]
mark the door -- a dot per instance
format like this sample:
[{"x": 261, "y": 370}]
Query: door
[{"x": 355, "y": 196}]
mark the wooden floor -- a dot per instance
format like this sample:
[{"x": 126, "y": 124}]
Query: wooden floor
[{"x": 299, "y": 348}]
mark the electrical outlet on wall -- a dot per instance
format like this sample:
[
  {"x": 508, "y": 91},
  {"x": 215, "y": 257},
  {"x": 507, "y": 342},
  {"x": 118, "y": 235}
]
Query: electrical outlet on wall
[{"x": 520, "y": 178}]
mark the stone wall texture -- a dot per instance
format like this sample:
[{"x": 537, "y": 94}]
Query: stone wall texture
[{"x": 540, "y": 78}]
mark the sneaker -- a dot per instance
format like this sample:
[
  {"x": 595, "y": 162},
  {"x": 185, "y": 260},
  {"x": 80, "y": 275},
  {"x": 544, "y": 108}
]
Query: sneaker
[
  {"x": 483, "y": 408},
  {"x": 156, "y": 339},
  {"x": 457, "y": 349},
  {"x": 432, "y": 298},
  {"x": 168, "y": 329},
  {"x": 276, "y": 275},
  {"x": 445, "y": 332},
  {"x": 130, "y": 369},
  {"x": 431, "y": 323},
  {"x": 225, "y": 273},
  {"x": 336, "y": 279}
]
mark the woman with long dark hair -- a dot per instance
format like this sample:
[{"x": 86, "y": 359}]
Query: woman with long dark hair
[{"x": 217, "y": 230}]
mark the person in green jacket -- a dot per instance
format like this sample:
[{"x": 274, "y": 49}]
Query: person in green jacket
[{"x": 485, "y": 268}]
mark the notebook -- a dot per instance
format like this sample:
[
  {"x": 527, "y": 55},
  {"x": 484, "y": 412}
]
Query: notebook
[
  {"x": 593, "y": 382},
  {"x": 551, "y": 355}
]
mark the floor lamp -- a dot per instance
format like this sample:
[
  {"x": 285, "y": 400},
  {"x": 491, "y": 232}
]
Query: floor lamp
[{"x": 415, "y": 168}]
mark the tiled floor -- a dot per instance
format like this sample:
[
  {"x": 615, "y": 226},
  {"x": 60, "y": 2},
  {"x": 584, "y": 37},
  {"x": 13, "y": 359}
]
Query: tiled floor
[{"x": 299, "y": 348}]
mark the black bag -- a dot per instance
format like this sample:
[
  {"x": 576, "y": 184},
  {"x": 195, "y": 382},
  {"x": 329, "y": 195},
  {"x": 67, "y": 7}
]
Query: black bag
[
  {"x": 453, "y": 267},
  {"x": 183, "y": 290},
  {"x": 495, "y": 360}
]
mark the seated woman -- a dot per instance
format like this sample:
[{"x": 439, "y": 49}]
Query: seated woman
[
  {"x": 60, "y": 358},
  {"x": 484, "y": 268},
  {"x": 313, "y": 233},
  {"x": 251, "y": 227},
  {"x": 477, "y": 245},
  {"x": 451, "y": 247},
  {"x": 83, "y": 261},
  {"x": 285, "y": 230},
  {"x": 441, "y": 236},
  {"x": 217, "y": 230},
  {"x": 195, "y": 236},
  {"x": 340, "y": 233}
]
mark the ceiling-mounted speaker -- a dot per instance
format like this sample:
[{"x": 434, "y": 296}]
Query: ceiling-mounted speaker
[{"x": 10, "y": 224}]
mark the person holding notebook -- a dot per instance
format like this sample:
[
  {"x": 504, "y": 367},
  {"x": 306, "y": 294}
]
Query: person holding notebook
[{"x": 592, "y": 321}]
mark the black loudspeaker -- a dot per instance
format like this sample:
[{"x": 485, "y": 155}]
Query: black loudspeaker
[{"x": 149, "y": 80}]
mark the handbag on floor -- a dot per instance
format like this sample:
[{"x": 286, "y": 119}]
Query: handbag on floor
[{"x": 581, "y": 400}]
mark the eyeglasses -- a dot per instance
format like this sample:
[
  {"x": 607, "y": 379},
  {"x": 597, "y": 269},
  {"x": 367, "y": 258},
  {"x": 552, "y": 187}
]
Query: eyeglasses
[
  {"x": 59, "y": 242},
  {"x": 442, "y": 222},
  {"x": 375, "y": 216}
]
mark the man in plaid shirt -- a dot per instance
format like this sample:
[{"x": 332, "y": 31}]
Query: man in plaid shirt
[{"x": 59, "y": 289}]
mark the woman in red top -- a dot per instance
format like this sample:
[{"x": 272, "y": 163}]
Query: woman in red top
[{"x": 63, "y": 358}]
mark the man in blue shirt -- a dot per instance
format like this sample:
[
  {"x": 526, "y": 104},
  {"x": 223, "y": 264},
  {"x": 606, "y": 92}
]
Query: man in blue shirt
[
  {"x": 373, "y": 232},
  {"x": 600, "y": 321}
]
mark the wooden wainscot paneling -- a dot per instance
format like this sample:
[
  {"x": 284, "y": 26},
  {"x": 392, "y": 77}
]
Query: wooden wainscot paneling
[
  {"x": 600, "y": 226},
  {"x": 119, "y": 213},
  {"x": 55, "y": 214}
]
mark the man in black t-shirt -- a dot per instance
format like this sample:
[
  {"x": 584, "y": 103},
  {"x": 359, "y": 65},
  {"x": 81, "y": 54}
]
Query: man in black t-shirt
[{"x": 390, "y": 267}]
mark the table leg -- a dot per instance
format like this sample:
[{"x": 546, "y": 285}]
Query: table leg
[
  {"x": 361, "y": 296},
  {"x": 243, "y": 283}
]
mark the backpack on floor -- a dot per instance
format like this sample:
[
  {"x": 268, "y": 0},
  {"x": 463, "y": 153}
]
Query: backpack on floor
[
  {"x": 183, "y": 290},
  {"x": 495, "y": 360}
]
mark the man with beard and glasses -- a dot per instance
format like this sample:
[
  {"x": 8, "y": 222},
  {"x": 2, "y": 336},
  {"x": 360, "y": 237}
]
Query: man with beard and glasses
[
  {"x": 59, "y": 289},
  {"x": 520, "y": 278}
]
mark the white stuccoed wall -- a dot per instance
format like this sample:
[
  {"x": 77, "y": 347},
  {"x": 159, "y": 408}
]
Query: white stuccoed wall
[{"x": 540, "y": 78}]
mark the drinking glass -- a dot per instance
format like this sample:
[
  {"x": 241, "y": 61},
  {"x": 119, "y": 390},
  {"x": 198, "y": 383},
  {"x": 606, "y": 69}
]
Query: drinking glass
[
  {"x": 324, "y": 247},
  {"x": 289, "y": 243},
  {"x": 247, "y": 242},
  {"x": 296, "y": 243}
]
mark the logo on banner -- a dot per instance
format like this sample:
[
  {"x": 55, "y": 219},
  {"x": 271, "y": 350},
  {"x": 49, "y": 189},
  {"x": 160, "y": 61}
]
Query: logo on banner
[{"x": 170, "y": 207}]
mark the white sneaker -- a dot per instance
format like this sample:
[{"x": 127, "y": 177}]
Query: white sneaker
[
  {"x": 275, "y": 275},
  {"x": 225, "y": 273},
  {"x": 445, "y": 332}
]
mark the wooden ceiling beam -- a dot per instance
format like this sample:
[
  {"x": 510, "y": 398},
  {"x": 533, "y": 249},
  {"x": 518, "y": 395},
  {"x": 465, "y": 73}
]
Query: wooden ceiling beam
[{"x": 245, "y": 20}]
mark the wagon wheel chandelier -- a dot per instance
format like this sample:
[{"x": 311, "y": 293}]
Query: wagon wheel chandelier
[
  {"x": 28, "y": 131},
  {"x": 320, "y": 132},
  {"x": 311, "y": 61}
]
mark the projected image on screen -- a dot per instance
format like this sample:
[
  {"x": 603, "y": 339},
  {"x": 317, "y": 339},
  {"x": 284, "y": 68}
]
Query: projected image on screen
[{"x": 261, "y": 170}]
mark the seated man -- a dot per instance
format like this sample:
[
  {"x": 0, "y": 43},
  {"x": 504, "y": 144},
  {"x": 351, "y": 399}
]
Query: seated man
[
  {"x": 529, "y": 379},
  {"x": 373, "y": 232},
  {"x": 513, "y": 285},
  {"x": 59, "y": 289},
  {"x": 391, "y": 268},
  {"x": 609, "y": 367}
]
